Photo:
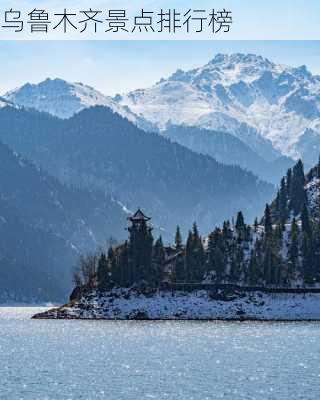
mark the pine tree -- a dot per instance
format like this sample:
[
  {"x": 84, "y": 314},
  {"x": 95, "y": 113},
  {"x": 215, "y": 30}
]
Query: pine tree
[
  {"x": 293, "y": 251},
  {"x": 226, "y": 231},
  {"x": 305, "y": 221},
  {"x": 239, "y": 221},
  {"x": 240, "y": 226},
  {"x": 267, "y": 222},
  {"x": 297, "y": 192},
  {"x": 195, "y": 257},
  {"x": 307, "y": 250},
  {"x": 103, "y": 273},
  {"x": 256, "y": 224},
  {"x": 236, "y": 261},
  {"x": 216, "y": 260},
  {"x": 178, "y": 239},
  {"x": 179, "y": 268},
  {"x": 252, "y": 278},
  {"x": 158, "y": 262},
  {"x": 189, "y": 257},
  {"x": 283, "y": 201},
  {"x": 124, "y": 275},
  {"x": 307, "y": 255},
  {"x": 289, "y": 181}
]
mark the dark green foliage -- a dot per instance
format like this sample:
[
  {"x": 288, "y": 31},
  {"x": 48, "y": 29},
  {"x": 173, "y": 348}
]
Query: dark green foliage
[
  {"x": 195, "y": 259},
  {"x": 216, "y": 260},
  {"x": 297, "y": 192},
  {"x": 178, "y": 239},
  {"x": 179, "y": 268},
  {"x": 267, "y": 222},
  {"x": 103, "y": 271},
  {"x": 273, "y": 254},
  {"x": 158, "y": 262},
  {"x": 283, "y": 201},
  {"x": 293, "y": 251},
  {"x": 255, "y": 225},
  {"x": 240, "y": 226},
  {"x": 305, "y": 221}
]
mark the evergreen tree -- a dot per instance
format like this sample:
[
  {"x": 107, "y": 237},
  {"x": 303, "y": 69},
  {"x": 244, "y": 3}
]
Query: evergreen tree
[
  {"x": 267, "y": 222},
  {"x": 123, "y": 276},
  {"x": 293, "y": 251},
  {"x": 252, "y": 278},
  {"x": 236, "y": 261},
  {"x": 178, "y": 239},
  {"x": 189, "y": 257},
  {"x": 305, "y": 221},
  {"x": 307, "y": 254},
  {"x": 283, "y": 201},
  {"x": 240, "y": 226},
  {"x": 256, "y": 224},
  {"x": 239, "y": 221},
  {"x": 195, "y": 257},
  {"x": 307, "y": 251},
  {"x": 297, "y": 192},
  {"x": 103, "y": 273},
  {"x": 179, "y": 268},
  {"x": 289, "y": 181},
  {"x": 216, "y": 261},
  {"x": 158, "y": 262}
]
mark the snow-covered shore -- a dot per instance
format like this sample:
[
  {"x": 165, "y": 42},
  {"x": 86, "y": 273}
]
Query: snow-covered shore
[{"x": 124, "y": 304}]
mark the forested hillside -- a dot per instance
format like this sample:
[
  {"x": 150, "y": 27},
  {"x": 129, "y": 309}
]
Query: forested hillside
[
  {"x": 280, "y": 251},
  {"x": 44, "y": 227},
  {"x": 104, "y": 151}
]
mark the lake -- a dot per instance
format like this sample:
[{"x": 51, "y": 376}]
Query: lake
[{"x": 62, "y": 360}]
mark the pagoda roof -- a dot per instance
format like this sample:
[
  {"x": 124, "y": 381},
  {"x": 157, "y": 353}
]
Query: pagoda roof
[{"x": 139, "y": 216}]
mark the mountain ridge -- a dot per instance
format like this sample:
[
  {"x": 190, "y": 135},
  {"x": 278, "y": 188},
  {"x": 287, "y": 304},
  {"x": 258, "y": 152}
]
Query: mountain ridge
[
  {"x": 236, "y": 93},
  {"x": 104, "y": 151}
]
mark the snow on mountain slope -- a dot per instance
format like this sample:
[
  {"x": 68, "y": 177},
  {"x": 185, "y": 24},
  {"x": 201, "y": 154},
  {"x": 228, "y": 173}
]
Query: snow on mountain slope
[
  {"x": 243, "y": 94},
  {"x": 5, "y": 103},
  {"x": 64, "y": 99}
]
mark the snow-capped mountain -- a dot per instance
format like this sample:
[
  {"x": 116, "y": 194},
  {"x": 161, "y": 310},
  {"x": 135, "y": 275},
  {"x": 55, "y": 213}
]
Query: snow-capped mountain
[
  {"x": 260, "y": 102},
  {"x": 63, "y": 99}
]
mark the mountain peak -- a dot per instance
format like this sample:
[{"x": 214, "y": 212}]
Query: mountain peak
[
  {"x": 239, "y": 57},
  {"x": 234, "y": 59},
  {"x": 63, "y": 99}
]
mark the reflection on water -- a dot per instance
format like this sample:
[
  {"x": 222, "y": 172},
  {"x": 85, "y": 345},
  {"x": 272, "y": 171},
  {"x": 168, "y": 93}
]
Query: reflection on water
[{"x": 61, "y": 360}]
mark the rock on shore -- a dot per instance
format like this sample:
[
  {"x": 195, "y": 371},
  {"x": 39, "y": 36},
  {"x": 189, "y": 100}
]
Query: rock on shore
[{"x": 129, "y": 304}]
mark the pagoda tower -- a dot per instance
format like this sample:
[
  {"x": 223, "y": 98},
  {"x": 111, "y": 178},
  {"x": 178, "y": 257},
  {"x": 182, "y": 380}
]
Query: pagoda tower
[
  {"x": 138, "y": 220},
  {"x": 140, "y": 247}
]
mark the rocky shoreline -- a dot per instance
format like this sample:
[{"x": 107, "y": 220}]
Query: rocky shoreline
[{"x": 130, "y": 304}]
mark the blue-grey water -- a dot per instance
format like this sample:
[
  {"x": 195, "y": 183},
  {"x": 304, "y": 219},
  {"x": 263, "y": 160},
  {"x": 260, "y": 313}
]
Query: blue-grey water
[{"x": 62, "y": 360}]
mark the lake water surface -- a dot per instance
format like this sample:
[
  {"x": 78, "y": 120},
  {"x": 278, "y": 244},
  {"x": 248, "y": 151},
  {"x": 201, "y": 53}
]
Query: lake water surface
[{"x": 62, "y": 360}]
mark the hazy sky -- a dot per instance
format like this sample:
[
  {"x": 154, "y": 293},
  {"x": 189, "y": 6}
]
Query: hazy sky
[{"x": 120, "y": 66}]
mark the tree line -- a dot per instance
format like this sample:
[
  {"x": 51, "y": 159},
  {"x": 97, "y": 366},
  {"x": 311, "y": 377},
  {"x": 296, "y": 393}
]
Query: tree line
[{"x": 282, "y": 249}]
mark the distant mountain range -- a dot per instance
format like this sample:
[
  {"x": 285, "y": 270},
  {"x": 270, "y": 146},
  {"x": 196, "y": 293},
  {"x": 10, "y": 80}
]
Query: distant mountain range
[
  {"x": 273, "y": 109},
  {"x": 63, "y": 99},
  {"x": 268, "y": 106},
  {"x": 228, "y": 149},
  {"x": 98, "y": 149}
]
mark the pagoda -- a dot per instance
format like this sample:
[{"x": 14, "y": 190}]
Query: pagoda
[{"x": 138, "y": 219}]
